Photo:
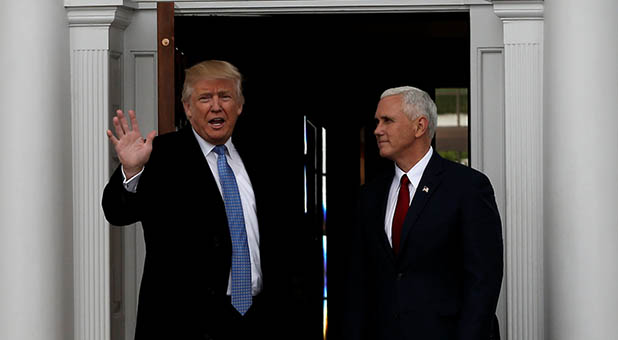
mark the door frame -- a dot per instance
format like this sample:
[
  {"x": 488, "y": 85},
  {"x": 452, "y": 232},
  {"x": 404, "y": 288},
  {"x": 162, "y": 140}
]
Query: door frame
[{"x": 486, "y": 72}]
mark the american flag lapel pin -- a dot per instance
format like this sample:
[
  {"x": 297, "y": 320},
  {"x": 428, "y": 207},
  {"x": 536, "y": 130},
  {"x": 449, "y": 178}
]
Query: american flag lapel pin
[{"x": 425, "y": 189}]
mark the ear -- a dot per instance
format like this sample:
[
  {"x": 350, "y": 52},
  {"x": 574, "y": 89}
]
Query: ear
[
  {"x": 422, "y": 126},
  {"x": 240, "y": 109},
  {"x": 187, "y": 107}
]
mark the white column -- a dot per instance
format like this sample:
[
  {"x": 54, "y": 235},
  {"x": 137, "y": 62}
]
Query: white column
[
  {"x": 35, "y": 172},
  {"x": 523, "y": 62},
  {"x": 96, "y": 73},
  {"x": 581, "y": 169}
]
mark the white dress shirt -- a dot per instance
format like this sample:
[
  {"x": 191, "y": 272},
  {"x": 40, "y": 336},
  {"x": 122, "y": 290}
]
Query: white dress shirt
[
  {"x": 414, "y": 175},
  {"x": 247, "y": 198}
]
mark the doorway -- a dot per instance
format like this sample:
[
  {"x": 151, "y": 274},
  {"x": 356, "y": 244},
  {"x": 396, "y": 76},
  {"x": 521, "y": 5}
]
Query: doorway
[
  {"x": 331, "y": 69},
  {"x": 328, "y": 69}
]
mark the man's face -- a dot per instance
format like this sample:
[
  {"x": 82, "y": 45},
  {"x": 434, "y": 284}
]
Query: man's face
[
  {"x": 213, "y": 109},
  {"x": 395, "y": 132}
]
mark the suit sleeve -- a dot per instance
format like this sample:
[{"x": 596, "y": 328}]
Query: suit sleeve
[
  {"x": 481, "y": 232},
  {"x": 120, "y": 206}
]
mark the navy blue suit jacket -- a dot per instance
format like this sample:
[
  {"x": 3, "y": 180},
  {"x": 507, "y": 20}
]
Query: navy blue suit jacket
[{"x": 445, "y": 282}]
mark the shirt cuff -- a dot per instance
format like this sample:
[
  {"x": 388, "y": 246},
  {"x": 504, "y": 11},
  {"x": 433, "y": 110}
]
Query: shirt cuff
[{"x": 130, "y": 184}]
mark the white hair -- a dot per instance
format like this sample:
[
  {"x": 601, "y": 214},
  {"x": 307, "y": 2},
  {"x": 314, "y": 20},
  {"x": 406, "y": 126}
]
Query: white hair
[{"x": 416, "y": 102}]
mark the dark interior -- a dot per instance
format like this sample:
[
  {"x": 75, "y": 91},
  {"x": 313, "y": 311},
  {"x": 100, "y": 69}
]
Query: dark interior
[{"x": 332, "y": 69}]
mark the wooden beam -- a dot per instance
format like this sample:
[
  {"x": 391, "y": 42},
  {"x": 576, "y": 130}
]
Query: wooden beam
[{"x": 165, "y": 66}]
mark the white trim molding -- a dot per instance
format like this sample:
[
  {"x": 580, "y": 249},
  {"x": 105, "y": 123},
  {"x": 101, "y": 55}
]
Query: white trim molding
[
  {"x": 189, "y": 7},
  {"x": 96, "y": 43},
  {"x": 523, "y": 61},
  {"x": 99, "y": 3}
]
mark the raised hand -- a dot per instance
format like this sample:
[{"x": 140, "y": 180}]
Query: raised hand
[{"x": 132, "y": 149}]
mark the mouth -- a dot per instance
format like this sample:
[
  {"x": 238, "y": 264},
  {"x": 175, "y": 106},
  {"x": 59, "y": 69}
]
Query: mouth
[{"x": 216, "y": 123}]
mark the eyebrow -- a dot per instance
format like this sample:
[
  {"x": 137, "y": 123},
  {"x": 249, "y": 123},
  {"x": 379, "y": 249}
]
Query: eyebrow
[{"x": 208, "y": 92}]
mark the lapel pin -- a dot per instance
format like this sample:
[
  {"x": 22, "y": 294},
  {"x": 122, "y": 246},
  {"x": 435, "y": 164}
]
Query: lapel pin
[{"x": 425, "y": 189}]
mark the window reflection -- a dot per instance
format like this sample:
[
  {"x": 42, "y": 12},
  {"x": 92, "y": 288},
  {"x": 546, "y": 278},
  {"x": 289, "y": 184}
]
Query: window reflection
[
  {"x": 315, "y": 197},
  {"x": 452, "y": 133}
]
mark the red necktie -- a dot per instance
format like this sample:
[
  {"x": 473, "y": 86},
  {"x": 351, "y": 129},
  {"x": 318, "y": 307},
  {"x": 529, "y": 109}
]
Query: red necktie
[{"x": 403, "y": 203}]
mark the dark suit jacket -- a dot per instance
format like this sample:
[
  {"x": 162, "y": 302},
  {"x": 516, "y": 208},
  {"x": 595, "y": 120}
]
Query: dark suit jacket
[
  {"x": 445, "y": 282},
  {"x": 188, "y": 245}
]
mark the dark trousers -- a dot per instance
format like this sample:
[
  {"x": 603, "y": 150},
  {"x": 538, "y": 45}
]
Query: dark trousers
[{"x": 230, "y": 325}]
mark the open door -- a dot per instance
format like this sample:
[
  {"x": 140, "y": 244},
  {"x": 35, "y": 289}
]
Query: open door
[{"x": 166, "y": 50}]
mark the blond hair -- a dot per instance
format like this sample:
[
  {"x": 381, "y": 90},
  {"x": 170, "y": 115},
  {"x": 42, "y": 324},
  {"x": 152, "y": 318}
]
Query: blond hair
[{"x": 211, "y": 69}]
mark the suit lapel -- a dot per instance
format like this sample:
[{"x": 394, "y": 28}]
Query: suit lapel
[
  {"x": 198, "y": 161},
  {"x": 430, "y": 181},
  {"x": 200, "y": 175}
]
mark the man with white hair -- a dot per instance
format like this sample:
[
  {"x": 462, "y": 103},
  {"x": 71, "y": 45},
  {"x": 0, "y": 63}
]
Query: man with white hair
[{"x": 428, "y": 259}]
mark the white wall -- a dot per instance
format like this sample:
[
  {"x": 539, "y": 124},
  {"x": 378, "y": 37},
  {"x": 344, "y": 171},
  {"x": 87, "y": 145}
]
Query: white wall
[{"x": 36, "y": 264}]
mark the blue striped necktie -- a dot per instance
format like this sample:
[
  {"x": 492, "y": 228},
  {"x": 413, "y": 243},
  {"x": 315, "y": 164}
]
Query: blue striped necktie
[{"x": 241, "y": 263}]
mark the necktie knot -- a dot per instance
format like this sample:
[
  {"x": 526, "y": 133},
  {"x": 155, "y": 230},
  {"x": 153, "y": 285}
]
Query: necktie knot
[
  {"x": 404, "y": 180},
  {"x": 220, "y": 150}
]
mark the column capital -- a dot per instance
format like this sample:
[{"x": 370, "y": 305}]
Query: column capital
[
  {"x": 97, "y": 27},
  {"x": 99, "y": 16},
  {"x": 523, "y": 20},
  {"x": 511, "y": 10}
]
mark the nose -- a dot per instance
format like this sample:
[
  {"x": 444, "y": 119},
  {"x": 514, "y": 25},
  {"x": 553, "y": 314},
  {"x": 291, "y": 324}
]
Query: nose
[
  {"x": 215, "y": 104},
  {"x": 378, "y": 130}
]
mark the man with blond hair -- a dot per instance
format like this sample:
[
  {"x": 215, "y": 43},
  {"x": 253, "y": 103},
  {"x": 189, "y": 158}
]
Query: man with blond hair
[{"x": 196, "y": 196}]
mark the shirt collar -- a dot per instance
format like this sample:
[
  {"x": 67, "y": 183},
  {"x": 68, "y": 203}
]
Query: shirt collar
[
  {"x": 207, "y": 147},
  {"x": 415, "y": 174}
]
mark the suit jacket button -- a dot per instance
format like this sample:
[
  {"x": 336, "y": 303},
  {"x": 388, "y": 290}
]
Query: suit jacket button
[
  {"x": 396, "y": 316},
  {"x": 400, "y": 276}
]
